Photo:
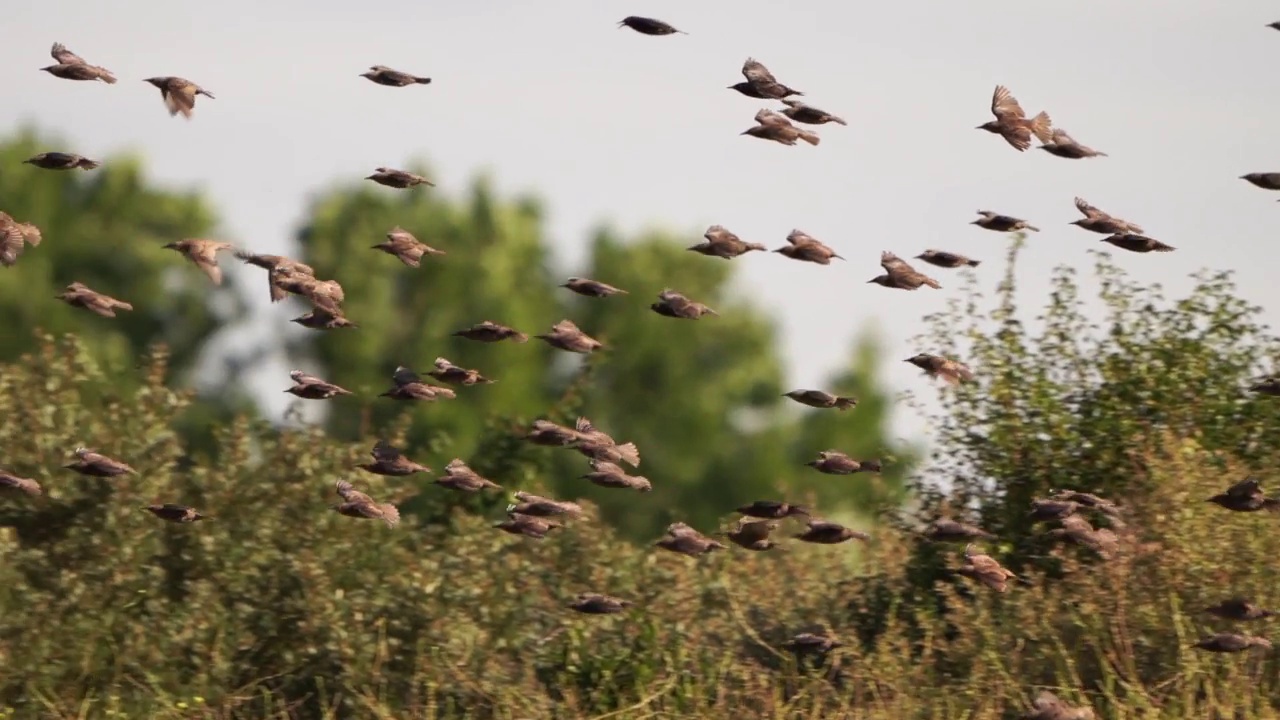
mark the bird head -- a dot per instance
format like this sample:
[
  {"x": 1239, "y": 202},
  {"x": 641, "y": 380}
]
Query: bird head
[
  {"x": 158, "y": 82},
  {"x": 990, "y": 126},
  {"x": 170, "y": 246}
]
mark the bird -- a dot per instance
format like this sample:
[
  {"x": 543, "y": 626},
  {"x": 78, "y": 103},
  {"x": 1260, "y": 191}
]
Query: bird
[
  {"x": 775, "y": 127},
  {"x": 1275, "y": 25},
  {"x": 1012, "y": 124},
  {"x": 1002, "y": 223},
  {"x": 204, "y": 253},
  {"x": 1052, "y": 509},
  {"x": 407, "y": 385},
  {"x": 9, "y": 481},
  {"x": 399, "y": 179},
  {"x": 609, "y": 475},
  {"x": 15, "y": 237},
  {"x": 1225, "y": 642},
  {"x": 985, "y": 569},
  {"x": 1048, "y": 706},
  {"x": 948, "y": 530},
  {"x": 772, "y": 510},
  {"x": 1239, "y": 609},
  {"x": 322, "y": 294},
  {"x": 591, "y": 288},
  {"x": 95, "y": 464},
  {"x": 1266, "y": 386},
  {"x": 808, "y": 114},
  {"x": 270, "y": 263},
  {"x": 811, "y": 643},
  {"x": 944, "y": 259},
  {"x": 820, "y": 399},
  {"x": 590, "y": 603},
  {"x": 687, "y": 541},
  {"x": 359, "y": 505},
  {"x": 445, "y": 371},
  {"x": 527, "y": 525},
  {"x": 61, "y": 161},
  {"x": 383, "y": 75},
  {"x": 73, "y": 67},
  {"x": 753, "y": 534},
  {"x": 78, "y": 295},
  {"x": 310, "y": 387},
  {"x": 1089, "y": 500},
  {"x": 547, "y": 433},
  {"x": 1134, "y": 242},
  {"x": 1264, "y": 180},
  {"x": 1064, "y": 146},
  {"x": 648, "y": 26},
  {"x": 936, "y": 366},
  {"x": 405, "y": 247},
  {"x": 458, "y": 476},
  {"x": 825, "y": 532},
  {"x": 806, "y": 248},
  {"x": 1245, "y": 496},
  {"x": 596, "y": 444},
  {"x": 675, "y": 305},
  {"x": 834, "y": 462},
  {"x": 174, "y": 513},
  {"x": 566, "y": 336},
  {"x": 760, "y": 83},
  {"x": 179, "y": 94},
  {"x": 321, "y": 319},
  {"x": 389, "y": 461},
  {"x": 538, "y": 506},
  {"x": 899, "y": 274},
  {"x": 721, "y": 243},
  {"x": 491, "y": 332},
  {"x": 1095, "y": 220},
  {"x": 1077, "y": 531}
]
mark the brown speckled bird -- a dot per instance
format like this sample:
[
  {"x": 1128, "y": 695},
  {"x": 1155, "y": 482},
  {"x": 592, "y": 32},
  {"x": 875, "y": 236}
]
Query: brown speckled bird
[
  {"x": 804, "y": 247},
  {"x": 61, "y": 161},
  {"x": 609, "y": 475},
  {"x": 821, "y": 399},
  {"x": 389, "y": 461},
  {"x": 753, "y": 534},
  {"x": 78, "y": 295},
  {"x": 985, "y": 569},
  {"x": 1239, "y": 609},
  {"x": 204, "y": 254},
  {"x": 1225, "y": 642},
  {"x": 948, "y": 530},
  {"x": 174, "y": 513},
  {"x": 358, "y": 505},
  {"x": 1002, "y": 223},
  {"x": 675, "y": 305},
  {"x": 383, "y": 75},
  {"x": 9, "y": 481},
  {"x": 899, "y": 274},
  {"x": 1012, "y": 124},
  {"x": 549, "y": 434},
  {"x": 179, "y": 94},
  {"x": 322, "y": 294},
  {"x": 648, "y": 26},
  {"x": 587, "y": 287},
  {"x": 566, "y": 336},
  {"x": 1077, "y": 531},
  {"x": 596, "y": 444},
  {"x": 687, "y": 541},
  {"x": 1245, "y": 496},
  {"x": 1134, "y": 242},
  {"x": 321, "y": 319},
  {"x": 825, "y": 532},
  {"x": 527, "y": 525},
  {"x": 270, "y": 263},
  {"x": 73, "y": 67},
  {"x": 457, "y": 476},
  {"x": 772, "y": 510},
  {"x": 936, "y": 366},
  {"x": 447, "y": 372},
  {"x": 773, "y": 126},
  {"x": 808, "y": 114},
  {"x": 538, "y": 506},
  {"x": 1064, "y": 146},
  {"x": 721, "y": 243},
  {"x": 14, "y": 238},
  {"x": 760, "y": 83},
  {"x": 1264, "y": 180},
  {"x": 1096, "y": 220},
  {"x": 1089, "y": 500},
  {"x": 1052, "y": 509},
  {"x": 1047, "y": 706},
  {"x": 491, "y": 332},
  {"x": 310, "y": 387},
  {"x": 407, "y": 385},
  {"x": 590, "y": 603},
  {"x": 96, "y": 464},
  {"x": 834, "y": 462},
  {"x": 944, "y": 259},
  {"x": 398, "y": 179},
  {"x": 405, "y": 247}
]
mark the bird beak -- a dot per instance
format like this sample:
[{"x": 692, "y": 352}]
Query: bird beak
[
  {"x": 26, "y": 162},
  {"x": 974, "y": 222},
  {"x": 979, "y": 128},
  {"x": 871, "y": 281},
  {"x": 729, "y": 87}
]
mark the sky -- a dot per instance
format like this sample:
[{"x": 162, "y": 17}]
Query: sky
[{"x": 608, "y": 126}]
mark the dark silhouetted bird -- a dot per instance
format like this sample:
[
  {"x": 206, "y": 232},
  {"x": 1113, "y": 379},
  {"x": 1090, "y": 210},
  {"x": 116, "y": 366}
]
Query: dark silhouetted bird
[
  {"x": 384, "y": 75},
  {"x": 204, "y": 254},
  {"x": 935, "y": 366},
  {"x": 73, "y": 67},
  {"x": 527, "y": 525},
  {"x": 597, "y": 604},
  {"x": 772, "y": 126},
  {"x": 398, "y": 178},
  {"x": 1012, "y": 124},
  {"x": 358, "y": 505},
  {"x": 772, "y": 510},
  {"x": 1096, "y": 220},
  {"x": 1239, "y": 609},
  {"x": 675, "y": 305},
  {"x": 458, "y": 476},
  {"x": 985, "y": 569},
  {"x": 310, "y": 387},
  {"x": 174, "y": 513},
  {"x": 566, "y": 336},
  {"x": 491, "y": 332},
  {"x": 1064, "y": 146},
  {"x": 405, "y": 247},
  {"x": 1137, "y": 243},
  {"x": 14, "y": 238},
  {"x": 96, "y": 464},
  {"x": 948, "y": 530},
  {"x": 753, "y": 534},
  {"x": 1267, "y": 386},
  {"x": 1245, "y": 496},
  {"x": 1264, "y": 180},
  {"x": 609, "y": 475},
  {"x": 179, "y": 94},
  {"x": 1042, "y": 509},
  {"x": 723, "y": 244},
  {"x": 1002, "y": 223},
  {"x": 78, "y": 295},
  {"x": 61, "y": 161},
  {"x": 538, "y": 506},
  {"x": 389, "y": 461},
  {"x": 944, "y": 259},
  {"x": 648, "y": 26},
  {"x": 825, "y": 532},
  {"x": 1225, "y": 642},
  {"x": 804, "y": 247},
  {"x": 900, "y": 275},
  {"x": 321, "y": 319},
  {"x": 591, "y": 288},
  {"x": 808, "y": 114},
  {"x": 9, "y": 481},
  {"x": 811, "y": 643},
  {"x": 820, "y": 399},
  {"x": 761, "y": 83}
]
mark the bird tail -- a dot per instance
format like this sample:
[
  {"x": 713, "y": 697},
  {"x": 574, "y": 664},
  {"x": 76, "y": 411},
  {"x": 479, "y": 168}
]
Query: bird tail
[
  {"x": 845, "y": 403},
  {"x": 1042, "y": 127},
  {"x": 1032, "y": 228},
  {"x": 520, "y": 338},
  {"x": 841, "y": 121},
  {"x": 87, "y": 164},
  {"x": 106, "y": 77},
  {"x": 974, "y": 263},
  {"x": 123, "y": 305},
  {"x": 390, "y": 514},
  {"x": 422, "y": 80},
  {"x": 811, "y": 138},
  {"x": 932, "y": 283},
  {"x": 630, "y": 453}
]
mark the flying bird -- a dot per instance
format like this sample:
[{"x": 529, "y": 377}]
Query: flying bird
[
  {"x": 591, "y": 288},
  {"x": 761, "y": 83},
  {"x": 321, "y": 319},
  {"x": 648, "y": 26},
  {"x": 772, "y": 126},
  {"x": 322, "y": 294},
  {"x": 95, "y": 464},
  {"x": 1002, "y": 223},
  {"x": 405, "y": 247},
  {"x": 597, "y": 604},
  {"x": 73, "y": 67},
  {"x": 1012, "y": 124},
  {"x": 527, "y": 525},
  {"x": 1245, "y": 496},
  {"x": 383, "y": 75},
  {"x": 811, "y": 643},
  {"x": 808, "y": 114},
  {"x": 721, "y": 243},
  {"x": 1064, "y": 146},
  {"x": 204, "y": 254},
  {"x": 1096, "y": 220},
  {"x": 174, "y": 513},
  {"x": 944, "y": 259},
  {"x": 1239, "y": 609},
  {"x": 834, "y": 462},
  {"x": 936, "y": 366},
  {"x": 179, "y": 94},
  {"x": 948, "y": 530},
  {"x": 687, "y": 541},
  {"x": 15, "y": 237},
  {"x": 9, "y": 481},
  {"x": 1225, "y": 642},
  {"x": 398, "y": 178},
  {"x": 61, "y": 161},
  {"x": 538, "y": 506},
  {"x": 899, "y": 274},
  {"x": 458, "y": 476},
  {"x": 358, "y": 505},
  {"x": 1134, "y": 242},
  {"x": 609, "y": 475},
  {"x": 491, "y": 332},
  {"x": 806, "y": 248},
  {"x": 752, "y": 534},
  {"x": 270, "y": 263},
  {"x": 985, "y": 569},
  {"x": 675, "y": 305},
  {"x": 1264, "y": 180},
  {"x": 389, "y": 461},
  {"x": 821, "y": 399},
  {"x": 825, "y": 532},
  {"x": 407, "y": 385},
  {"x": 78, "y": 295},
  {"x": 445, "y": 371},
  {"x": 772, "y": 510},
  {"x": 1077, "y": 531},
  {"x": 310, "y": 387},
  {"x": 1048, "y": 706},
  {"x": 566, "y": 336}
]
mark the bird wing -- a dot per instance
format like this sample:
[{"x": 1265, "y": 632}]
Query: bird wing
[
  {"x": 302, "y": 378},
  {"x": 1060, "y": 137},
  {"x": 1005, "y": 106},
  {"x": 755, "y": 72},
  {"x": 384, "y": 453},
  {"x": 350, "y": 494},
  {"x": 12, "y": 243},
  {"x": 65, "y": 56},
  {"x": 565, "y": 326},
  {"x": 180, "y": 98},
  {"x": 892, "y": 263},
  {"x": 1089, "y": 210},
  {"x": 765, "y": 116}
]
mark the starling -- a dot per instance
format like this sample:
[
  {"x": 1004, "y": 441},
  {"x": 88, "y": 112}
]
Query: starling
[
  {"x": 398, "y": 178},
  {"x": 597, "y": 604},
  {"x": 1047, "y": 706},
  {"x": 174, "y": 513},
  {"x": 1239, "y": 609},
  {"x": 73, "y": 67},
  {"x": 899, "y": 274},
  {"x": 948, "y": 530},
  {"x": 1064, "y": 146},
  {"x": 1266, "y": 386},
  {"x": 811, "y": 643},
  {"x": 825, "y": 532},
  {"x": 945, "y": 259},
  {"x": 204, "y": 253},
  {"x": 319, "y": 319},
  {"x": 358, "y": 505},
  {"x": 322, "y": 294},
  {"x": 527, "y": 525},
  {"x": 772, "y": 510},
  {"x": 772, "y": 126},
  {"x": 9, "y": 481},
  {"x": 1096, "y": 220},
  {"x": 310, "y": 387},
  {"x": 673, "y": 304},
  {"x": 1274, "y": 25},
  {"x": 936, "y": 366},
  {"x": 457, "y": 476},
  {"x": 389, "y": 461},
  {"x": 1089, "y": 500},
  {"x": 78, "y": 295},
  {"x": 1134, "y": 242},
  {"x": 687, "y": 541},
  {"x": 491, "y": 332},
  {"x": 14, "y": 237},
  {"x": 834, "y": 462},
  {"x": 179, "y": 94},
  {"x": 1002, "y": 223},
  {"x": 94, "y": 464},
  {"x": 1052, "y": 509},
  {"x": 609, "y": 475},
  {"x": 761, "y": 83},
  {"x": 1245, "y": 496},
  {"x": 61, "y": 161},
  {"x": 406, "y": 385},
  {"x": 723, "y": 244},
  {"x": 445, "y": 371},
  {"x": 566, "y": 336},
  {"x": 1266, "y": 180},
  {"x": 1012, "y": 124},
  {"x": 538, "y": 506},
  {"x": 270, "y": 263},
  {"x": 547, "y": 433},
  {"x": 407, "y": 248},
  {"x": 803, "y": 246},
  {"x": 820, "y": 399},
  {"x": 599, "y": 445},
  {"x": 592, "y": 288},
  {"x": 1225, "y": 642},
  {"x": 648, "y": 26},
  {"x": 384, "y": 75},
  {"x": 1077, "y": 531},
  {"x": 753, "y": 534},
  {"x": 808, "y": 114},
  {"x": 985, "y": 569}
]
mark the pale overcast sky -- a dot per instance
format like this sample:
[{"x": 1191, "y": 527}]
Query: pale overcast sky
[{"x": 605, "y": 124}]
